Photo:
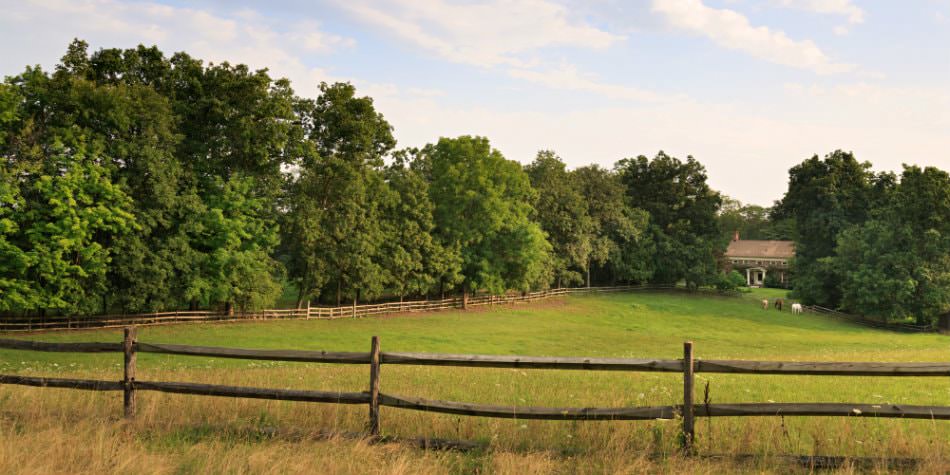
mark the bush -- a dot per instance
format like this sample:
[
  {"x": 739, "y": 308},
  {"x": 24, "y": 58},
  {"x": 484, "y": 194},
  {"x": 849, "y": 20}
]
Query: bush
[
  {"x": 773, "y": 282},
  {"x": 727, "y": 281}
]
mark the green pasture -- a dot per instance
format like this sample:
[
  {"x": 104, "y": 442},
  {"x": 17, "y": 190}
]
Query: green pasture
[{"x": 636, "y": 325}]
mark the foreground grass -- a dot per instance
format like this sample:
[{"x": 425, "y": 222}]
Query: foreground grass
[{"x": 182, "y": 434}]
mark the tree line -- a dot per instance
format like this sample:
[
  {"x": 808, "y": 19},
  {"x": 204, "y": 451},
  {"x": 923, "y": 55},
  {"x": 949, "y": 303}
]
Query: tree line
[
  {"x": 133, "y": 181},
  {"x": 873, "y": 243}
]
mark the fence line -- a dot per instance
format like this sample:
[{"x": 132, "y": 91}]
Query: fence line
[
  {"x": 374, "y": 398},
  {"x": 307, "y": 312},
  {"x": 902, "y": 327}
]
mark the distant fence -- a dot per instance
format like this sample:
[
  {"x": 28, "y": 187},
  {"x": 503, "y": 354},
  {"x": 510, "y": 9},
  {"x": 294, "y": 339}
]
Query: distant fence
[
  {"x": 307, "y": 312},
  {"x": 374, "y": 398},
  {"x": 901, "y": 327}
]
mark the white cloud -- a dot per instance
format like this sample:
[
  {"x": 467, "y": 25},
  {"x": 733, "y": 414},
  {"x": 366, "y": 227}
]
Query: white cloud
[
  {"x": 567, "y": 77},
  {"x": 733, "y": 30},
  {"x": 737, "y": 142},
  {"x": 845, "y": 8},
  {"x": 498, "y": 32}
]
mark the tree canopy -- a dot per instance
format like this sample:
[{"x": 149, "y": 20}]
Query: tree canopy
[{"x": 136, "y": 181}]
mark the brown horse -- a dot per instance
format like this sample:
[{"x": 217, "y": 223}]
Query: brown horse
[{"x": 779, "y": 303}]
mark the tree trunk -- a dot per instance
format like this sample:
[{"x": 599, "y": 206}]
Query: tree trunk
[
  {"x": 339, "y": 291},
  {"x": 300, "y": 294},
  {"x": 588, "y": 273}
]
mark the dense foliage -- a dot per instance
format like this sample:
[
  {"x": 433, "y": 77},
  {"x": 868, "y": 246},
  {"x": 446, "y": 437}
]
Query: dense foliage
[
  {"x": 870, "y": 243},
  {"x": 132, "y": 181}
]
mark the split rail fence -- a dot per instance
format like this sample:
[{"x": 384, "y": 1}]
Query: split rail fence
[
  {"x": 308, "y": 312},
  {"x": 900, "y": 327},
  {"x": 688, "y": 366}
]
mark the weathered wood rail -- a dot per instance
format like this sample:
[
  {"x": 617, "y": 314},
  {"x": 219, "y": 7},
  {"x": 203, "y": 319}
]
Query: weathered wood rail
[
  {"x": 688, "y": 366},
  {"x": 857, "y": 319},
  {"x": 308, "y": 312}
]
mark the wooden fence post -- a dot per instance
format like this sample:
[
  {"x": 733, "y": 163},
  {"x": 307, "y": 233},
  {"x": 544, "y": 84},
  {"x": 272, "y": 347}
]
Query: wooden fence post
[
  {"x": 308, "y": 309},
  {"x": 688, "y": 413},
  {"x": 374, "y": 388},
  {"x": 128, "y": 379}
]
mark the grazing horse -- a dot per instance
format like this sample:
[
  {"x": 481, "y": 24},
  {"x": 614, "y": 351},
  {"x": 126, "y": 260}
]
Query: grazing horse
[
  {"x": 765, "y": 304},
  {"x": 779, "y": 303},
  {"x": 796, "y": 308}
]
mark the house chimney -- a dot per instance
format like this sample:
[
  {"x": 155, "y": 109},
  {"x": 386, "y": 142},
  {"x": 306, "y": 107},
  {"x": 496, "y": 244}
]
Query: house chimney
[{"x": 735, "y": 237}]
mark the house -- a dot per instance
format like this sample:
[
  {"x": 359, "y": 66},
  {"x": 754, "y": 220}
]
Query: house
[{"x": 757, "y": 259}]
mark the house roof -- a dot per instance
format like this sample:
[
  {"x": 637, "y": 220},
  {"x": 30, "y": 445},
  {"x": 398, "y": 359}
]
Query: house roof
[{"x": 764, "y": 249}]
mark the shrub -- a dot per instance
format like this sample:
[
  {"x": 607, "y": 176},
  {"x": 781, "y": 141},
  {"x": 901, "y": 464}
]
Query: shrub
[{"x": 732, "y": 280}]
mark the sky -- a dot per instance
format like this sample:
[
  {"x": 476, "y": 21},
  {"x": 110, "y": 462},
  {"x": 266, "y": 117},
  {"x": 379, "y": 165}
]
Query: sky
[{"x": 748, "y": 88}]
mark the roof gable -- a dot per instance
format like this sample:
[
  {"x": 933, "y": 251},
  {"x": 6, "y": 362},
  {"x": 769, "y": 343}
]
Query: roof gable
[{"x": 764, "y": 249}]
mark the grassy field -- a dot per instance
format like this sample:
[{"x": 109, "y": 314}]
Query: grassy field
[{"x": 51, "y": 430}]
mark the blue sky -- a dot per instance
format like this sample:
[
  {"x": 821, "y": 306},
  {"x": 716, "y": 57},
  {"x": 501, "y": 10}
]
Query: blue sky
[{"x": 749, "y": 88}]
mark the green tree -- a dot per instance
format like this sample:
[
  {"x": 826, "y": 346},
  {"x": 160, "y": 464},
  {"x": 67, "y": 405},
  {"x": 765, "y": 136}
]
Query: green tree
[
  {"x": 171, "y": 131},
  {"x": 750, "y": 221},
  {"x": 341, "y": 194},
  {"x": 825, "y": 197},
  {"x": 235, "y": 266},
  {"x": 409, "y": 251},
  {"x": 57, "y": 233},
  {"x": 897, "y": 264},
  {"x": 561, "y": 211},
  {"x": 683, "y": 216},
  {"x": 619, "y": 250},
  {"x": 483, "y": 207}
]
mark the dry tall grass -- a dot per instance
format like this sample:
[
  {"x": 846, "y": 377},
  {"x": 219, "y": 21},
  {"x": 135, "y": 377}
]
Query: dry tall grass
[{"x": 66, "y": 431}]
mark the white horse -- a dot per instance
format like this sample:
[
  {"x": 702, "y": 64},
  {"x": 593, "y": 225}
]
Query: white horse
[
  {"x": 796, "y": 308},
  {"x": 765, "y": 304}
]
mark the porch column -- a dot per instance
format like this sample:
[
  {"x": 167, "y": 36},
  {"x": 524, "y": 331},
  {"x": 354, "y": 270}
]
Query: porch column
[
  {"x": 763, "y": 277},
  {"x": 748, "y": 278}
]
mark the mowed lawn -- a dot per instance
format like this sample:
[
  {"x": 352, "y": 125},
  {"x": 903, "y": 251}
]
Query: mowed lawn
[
  {"x": 635, "y": 325},
  {"x": 618, "y": 325}
]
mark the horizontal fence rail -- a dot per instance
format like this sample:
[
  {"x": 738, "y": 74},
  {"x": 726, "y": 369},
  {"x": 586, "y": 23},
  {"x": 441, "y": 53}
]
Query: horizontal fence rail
[
  {"x": 688, "y": 366},
  {"x": 827, "y": 368},
  {"x": 310, "y": 312},
  {"x": 896, "y": 326}
]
